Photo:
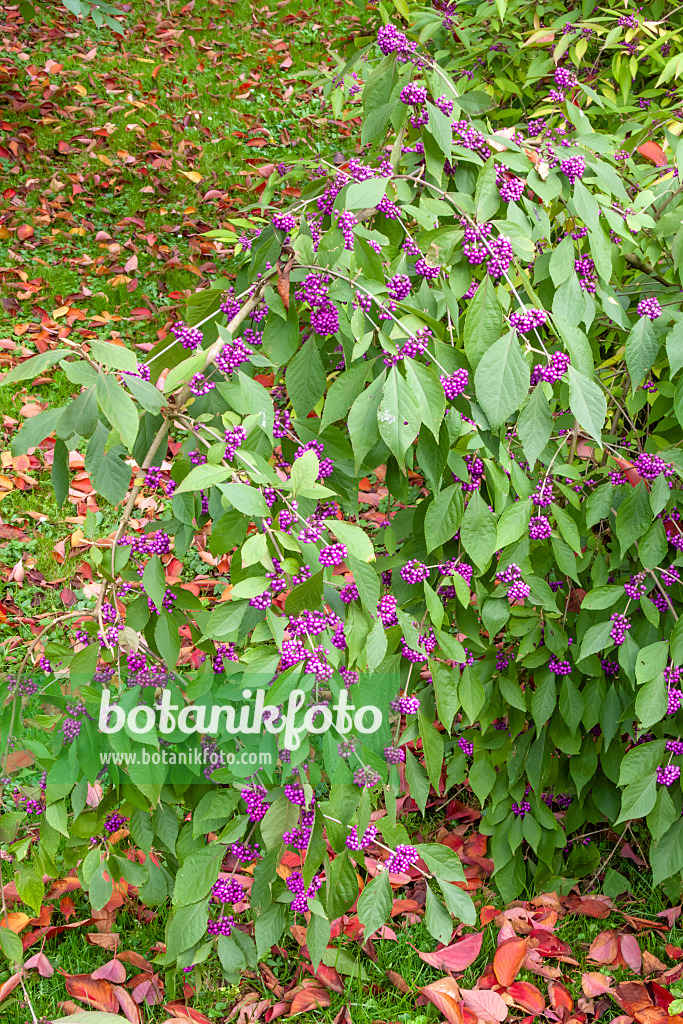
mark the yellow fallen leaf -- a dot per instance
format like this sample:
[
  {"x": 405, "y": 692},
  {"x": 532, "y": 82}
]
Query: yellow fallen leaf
[{"x": 194, "y": 176}]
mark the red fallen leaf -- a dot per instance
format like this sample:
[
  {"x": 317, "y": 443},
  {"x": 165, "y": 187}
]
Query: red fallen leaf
[
  {"x": 182, "y": 1012},
  {"x": 309, "y": 997},
  {"x": 630, "y": 951},
  {"x": 41, "y": 964},
  {"x": 488, "y": 1005},
  {"x": 632, "y": 996},
  {"x": 653, "y": 152},
  {"x": 487, "y": 914},
  {"x": 560, "y": 999},
  {"x": 327, "y": 976},
  {"x": 662, "y": 996},
  {"x": 112, "y": 971},
  {"x": 446, "y": 996},
  {"x": 147, "y": 988},
  {"x": 591, "y": 906},
  {"x": 275, "y": 1011},
  {"x": 96, "y": 993},
  {"x": 131, "y": 264},
  {"x": 126, "y": 1003},
  {"x": 548, "y": 943},
  {"x": 9, "y": 985},
  {"x": 405, "y": 907},
  {"x": 527, "y": 996},
  {"x": 671, "y": 914},
  {"x": 131, "y": 957},
  {"x": 508, "y": 960},
  {"x": 594, "y": 983},
  {"x": 675, "y": 952},
  {"x": 67, "y": 905},
  {"x": 25, "y": 231},
  {"x": 604, "y": 948},
  {"x": 457, "y": 956}
]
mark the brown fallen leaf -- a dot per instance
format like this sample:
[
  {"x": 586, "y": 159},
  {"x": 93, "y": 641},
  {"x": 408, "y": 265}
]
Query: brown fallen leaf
[{"x": 309, "y": 997}]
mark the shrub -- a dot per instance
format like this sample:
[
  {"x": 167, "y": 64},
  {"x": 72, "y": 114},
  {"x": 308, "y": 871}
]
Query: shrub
[{"x": 485, "y": 304}]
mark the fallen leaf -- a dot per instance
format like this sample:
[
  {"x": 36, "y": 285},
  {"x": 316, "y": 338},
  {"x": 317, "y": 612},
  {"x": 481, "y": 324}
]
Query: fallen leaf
[
  {"x": 508, "y": 960},
  {"x": 488, "y": 1006},
  {"x": 446, "y": 996},
  {"x": 96, "y": 993},
  {"x": 630, "y": 951},
  {"x": 604, "y": 948},
  {"x": 41, "y": 964},
  {"x": 594, "y": 983},
  {"x": 309, "y": 997},
  {"x": 458, "y": 956},
  {"x": 112, "y": 971}
]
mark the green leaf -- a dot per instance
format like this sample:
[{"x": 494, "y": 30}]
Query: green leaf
[
  {"x": 376, "y": 645},
  {"x": 280, "y": 817},
  {"x": 185, "y": 370},
  {"x": 535, "y": 425},
  {"x": 486, "y": 196},
  {"x": 437, "y": 919},
  {"x": 362, "y": 420},
  {"x": 307, "y": 595},
  {"x": 35, "y": 430},
  {"x": 513, "y": 523},
  {"x": 374, "y": 903},
  {"x": 642, "y": 346},
  {"x": 561, "y": 264},
  {"x": 478, "y": 533},
  {"x": 429, "y": 393},
  {"x": 602, "y": 597},
  {"x": 502, "y": 379},
  {"x": 317, "y": 937},
  {"x": 29, "y": 369},
  {"x": 149, "y": 397},
  {"x": 483, "y": 322},
  {"x": 116, "y": 356},
  {"x": 443, "y": 517},
  {"x": 674, "y": 347},
  {"x": 200, "y": 478},
  {"x": 433, "y": 746},
  {"x": 246, "y": 499},
  {"x": 343, "y": 393},
  {"x": 666, "y": 856},
  {"x": 118, "y": 407},
  {"x": 418, "y": 781},
  {"x": 366, "y": 580},
  {"x": 154, "y": 581},
  {"x": 356, "y": 540},
  {"x": 305, "y": 378},
  {"x": 197, "y": 874},
  {"x": 60, "y": 472},
  {"x": 596, "y": 638},
  {"x": 304, "y": 473},
  {"x": 109, "y": 474},
  {"x": 638, "y": 799},
  {"x": 11, "y": 945},
  {"x": 367, "y": 193},
  {"x": 398, "y": 416},
  {"x": 599, "y": 504},
  {"x": 567, "y": 527},
  {"x": 481, "y": 777},
  {"x": 634, "y": 515},
  {"x": 442, "y": 862},
  {"x": 459, "y": 903},
  {"x": 476, "y": 103},
  {"x": 186, "y": 927},
  {"x": 269, "y": 927},
  {"x": 587, "y": 402}
]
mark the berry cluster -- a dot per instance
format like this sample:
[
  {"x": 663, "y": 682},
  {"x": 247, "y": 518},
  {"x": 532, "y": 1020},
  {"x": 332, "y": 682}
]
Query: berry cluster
[
  {"x": 295, "y": 884},
  {"x": 221, "y": 925},
  {"x": 539, "y": 528},
  {"x": 620, "y": 626},
  {"x": 394, "y": 755},
  {"x": 666, "y": 776},
  {"x": 333, "y": 554},
  {"x": 574, "y": 167},
  {"x": 455, "y": 384},
  {"x": 636, "y": 588},
  {"x": 189, "y": 337},
  {"x": 402, "y": 859},
  {"x": 227, "y": 890},
  {"x": 354, "y": 843},
  {"x": 386, "y": 609},
  {"x": 114, "y": 822},
  {"x": 650, "y": 308},
  {"x": 253, "y": 798},
  {"x": 414, "y": 572},
  {"x": 366, "y": 777},
  {"x": 528, "y": 320}
]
